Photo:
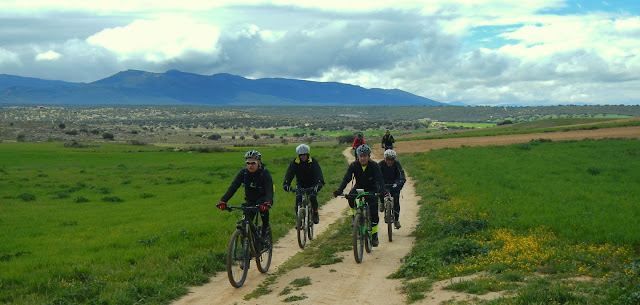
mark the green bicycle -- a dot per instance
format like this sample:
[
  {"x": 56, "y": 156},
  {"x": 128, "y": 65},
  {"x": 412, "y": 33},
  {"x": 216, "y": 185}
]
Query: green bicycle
[{"x": 362, "y": 226}]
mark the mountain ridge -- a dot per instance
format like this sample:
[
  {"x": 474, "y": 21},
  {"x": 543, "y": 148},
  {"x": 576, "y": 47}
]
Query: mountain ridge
[{"x": 173, "y": 87}]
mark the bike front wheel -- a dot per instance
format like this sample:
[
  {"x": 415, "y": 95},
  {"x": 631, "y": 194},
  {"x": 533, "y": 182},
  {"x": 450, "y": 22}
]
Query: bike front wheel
[
  {"x": 359, "y": 229},
  {"x": 238, "y": 258},
  {"x": 389, "y": 219},
  {"x": 310, "y": 222},
  {"x": 302, "y": 224},
  {"x": 263, "y": 261}
]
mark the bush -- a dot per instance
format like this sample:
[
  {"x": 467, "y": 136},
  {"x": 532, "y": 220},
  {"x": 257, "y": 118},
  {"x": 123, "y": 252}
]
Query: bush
[
  {"x": 27, "y": 197},
  {"x": 112, "y": 199},
  {"x": 108, "y": 136},
  {"x": 81, "y": 199},
  {"x": 214, "y": 137},
  {"x": 346, "y": 139}
]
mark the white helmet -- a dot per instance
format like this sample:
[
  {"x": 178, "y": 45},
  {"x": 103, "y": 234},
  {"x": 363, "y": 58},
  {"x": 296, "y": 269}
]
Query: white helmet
[
  {"x": 253, "y": 154},
  {"x": 303, "y": 149},
  {"x": 389, "y": 154}
]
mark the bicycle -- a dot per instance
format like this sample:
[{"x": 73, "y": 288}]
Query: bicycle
[
  {"x": 362, "y": 226},
  {"x": 304, "y": 223},
  {"x": 247, "y": 242},
  {"x": 387, "y": 208}
]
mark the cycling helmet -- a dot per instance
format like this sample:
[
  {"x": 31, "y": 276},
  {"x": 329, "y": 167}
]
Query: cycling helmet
[
  {"x": 359, "y": 135},
  {"x": 302, "y": 149},
  {"x": 363, "y": 150},
  {"x": 389, "y": 154},
  {"x": 253, "y": 154}
]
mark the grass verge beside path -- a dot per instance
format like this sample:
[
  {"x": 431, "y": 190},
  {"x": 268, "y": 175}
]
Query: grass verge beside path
[{"x": 543, "y": 222}]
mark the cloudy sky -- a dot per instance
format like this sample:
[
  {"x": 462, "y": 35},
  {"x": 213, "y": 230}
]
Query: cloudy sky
[{"x": 479, "y": 52}]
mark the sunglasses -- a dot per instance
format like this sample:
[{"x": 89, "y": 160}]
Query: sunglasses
[{"x": 251, "y": 162}]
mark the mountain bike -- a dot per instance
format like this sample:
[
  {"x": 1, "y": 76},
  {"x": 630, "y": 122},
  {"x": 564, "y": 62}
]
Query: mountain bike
[
  {"x": 362, "y": 225},
  {"x": 389, "y": 214},
  {"x": 248, "y": 242},
  {"x": 304, "y": 223}
]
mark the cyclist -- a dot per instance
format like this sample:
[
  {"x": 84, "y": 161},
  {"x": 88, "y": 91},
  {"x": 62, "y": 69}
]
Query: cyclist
[
  {"x": 359, "y": 140},
  {"x": 368, "y": 177},
  {"x": 308, "y": 174},
  {"x": 387, "y": 140},
  {"x": 258, "y": 188},
  {"x": 393, "y": 173}
]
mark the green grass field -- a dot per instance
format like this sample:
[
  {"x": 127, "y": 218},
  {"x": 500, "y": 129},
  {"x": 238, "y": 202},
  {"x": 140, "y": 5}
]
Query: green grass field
[
  {"x": 533, "y": 217},
  {"x": 117, "y": 224}
]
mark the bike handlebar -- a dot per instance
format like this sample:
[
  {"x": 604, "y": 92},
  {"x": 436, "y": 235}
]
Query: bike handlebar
[
  {"x": 305, "y": 190},
  {"x": 356, "y": 196},
  {"x": 243, "y": 208}
]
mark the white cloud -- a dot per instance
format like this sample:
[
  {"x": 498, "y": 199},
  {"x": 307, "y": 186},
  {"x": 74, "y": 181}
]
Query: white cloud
[
  {"x": 158, "y": 40},
  {"x": 369, "y": 43},
  {"x": 7, "y": 56},
  {"x": 49, "y": 55}
]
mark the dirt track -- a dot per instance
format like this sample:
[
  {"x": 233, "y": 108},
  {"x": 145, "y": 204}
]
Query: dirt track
[
  {"x": 366, "y": 283},
  {"x": 424, "y": 145}
]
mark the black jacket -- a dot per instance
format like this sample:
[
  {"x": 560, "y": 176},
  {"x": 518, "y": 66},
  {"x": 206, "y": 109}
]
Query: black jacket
[
  {"x": 393, "y": 174},
  {"x": 308, "y": 174},
  {"x": 258, "y": 186},
  {"x": 388, "y": 140},
  {"x": 369, "y": 179}
]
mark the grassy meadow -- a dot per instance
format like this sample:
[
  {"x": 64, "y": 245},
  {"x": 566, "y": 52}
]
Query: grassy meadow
[
  {"x": 122, "y": 224},
  {"x": 545, "y": 222}
]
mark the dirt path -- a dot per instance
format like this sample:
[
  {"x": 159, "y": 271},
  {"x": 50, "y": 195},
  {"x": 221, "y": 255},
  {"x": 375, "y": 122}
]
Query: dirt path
[
  {"x": 424, "y": 145},
  {"x": 342, "y": 283}
]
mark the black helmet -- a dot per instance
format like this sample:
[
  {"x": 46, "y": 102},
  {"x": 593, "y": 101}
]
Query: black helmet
[
  {"x": 359, "y": 135},
  {"x": 253, "y": 154},
  {"x": 363, "y": 150}
]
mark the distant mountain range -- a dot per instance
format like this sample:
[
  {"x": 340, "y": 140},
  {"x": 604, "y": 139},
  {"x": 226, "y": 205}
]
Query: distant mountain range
[{"x": 173, "y": 87}]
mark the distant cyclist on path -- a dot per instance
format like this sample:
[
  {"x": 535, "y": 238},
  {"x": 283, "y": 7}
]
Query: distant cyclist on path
[
  {"x": 359, "y": 140},
  {"x": 387, "y": 140},
  {"x": 393, "y": 174}
]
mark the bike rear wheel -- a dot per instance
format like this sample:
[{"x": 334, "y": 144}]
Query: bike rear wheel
[
  {"x": 368, "y": 243},
  {"x": 263, "y": 261},
  {"x": 238, "y": 258},
  {"x": 359, "y": 229},
  {"x": 301, "y": 228},
  {"x": 388, "y": 211}
]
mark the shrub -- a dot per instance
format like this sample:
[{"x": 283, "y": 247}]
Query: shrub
[
  {"x": 346, "y": 139},
  {"x": 112, "y": 199},
  {"x": 74, "y": 144},
  {"x": 214, "y": 137},
  {"x": 137, "y": 142},
  {"x": 108, "y": 136},
  {"x": 81, "y": 199},
  {"x": 27, "y": 197}
]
